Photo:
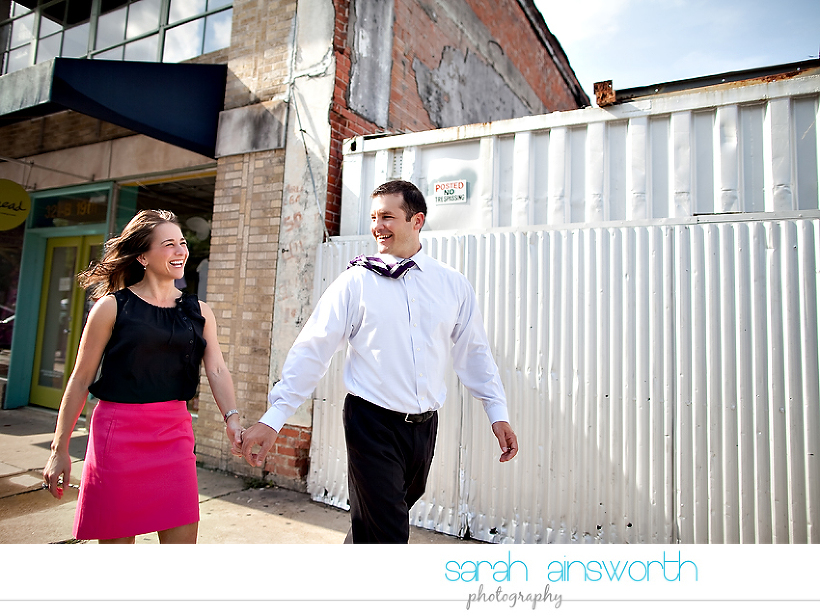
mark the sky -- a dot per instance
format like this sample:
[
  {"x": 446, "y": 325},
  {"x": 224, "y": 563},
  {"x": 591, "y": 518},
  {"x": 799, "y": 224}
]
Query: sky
[{"x": 644, "y": 42}]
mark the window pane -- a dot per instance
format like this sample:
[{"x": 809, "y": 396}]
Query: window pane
[
  {"x": 19, "y": 58},
  {"x": 48, "y": 48},
  {"x": 111, "y": 54},
  {"x": 22, "y": 30},
  {"x": 182, "y": 9},
  {"x": 5, "y": 35},
  {"x": 111, "y": 29},
  {"x": 51, "y": 20},
  {"x": 18, "y": 9},
  {"x": 144, "y": 50},
  {"x": 48, "y": 27},
  {"x": 82, "y": 208},
  {"x": 143, "y": 17},
  {"x": 183, "y": 42},
  {"x": 75, "y": 41},
  {"x": 218, "y": 31},
  {"x": 215, "y": 4}
]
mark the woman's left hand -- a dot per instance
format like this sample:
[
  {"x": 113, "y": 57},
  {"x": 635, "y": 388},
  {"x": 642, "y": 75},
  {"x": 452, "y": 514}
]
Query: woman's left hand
[{"x": 235, "y": 431}]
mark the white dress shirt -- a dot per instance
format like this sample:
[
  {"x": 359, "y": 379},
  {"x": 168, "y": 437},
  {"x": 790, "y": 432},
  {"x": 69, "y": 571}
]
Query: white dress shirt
[{"x": 399, "y": 334}]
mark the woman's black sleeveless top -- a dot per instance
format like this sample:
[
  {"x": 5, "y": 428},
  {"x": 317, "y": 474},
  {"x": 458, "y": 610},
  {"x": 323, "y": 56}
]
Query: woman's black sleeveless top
[{"x": 154, "y": 353}]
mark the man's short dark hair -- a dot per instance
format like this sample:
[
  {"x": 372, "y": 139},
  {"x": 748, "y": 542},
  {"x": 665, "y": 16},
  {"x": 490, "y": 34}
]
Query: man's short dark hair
[{"x": 414, "y": 202}]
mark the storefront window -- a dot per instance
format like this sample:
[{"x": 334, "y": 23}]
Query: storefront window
[
  {"x": 111, "y": 28},
  {"x": 11, "y": 242},
  {"x": 183, "y": 9},
  {"x": 197, "y": 37},
  {"x": 48, "y": 48},
  {"x": 18, "y": 58},
  {"x": 16, "y": 37},
  {"x": 21, "y": 30},
  {"x": 52, "y": 19},
  {"x": 143, "y": 17},
  {"x": 217, "y": 31},
  {"x": 38, "y": 30},
  {"x": 76, "y": 209},
  {"x": 143, "y": 50},
  {"x": 75, "y": 41},
  {"x": 184, "y": 42},
  {"x": 192, "y": 202}
]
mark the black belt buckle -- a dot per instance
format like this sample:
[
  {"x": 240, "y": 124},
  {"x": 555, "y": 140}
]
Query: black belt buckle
[{"x": 418, "y": 417}]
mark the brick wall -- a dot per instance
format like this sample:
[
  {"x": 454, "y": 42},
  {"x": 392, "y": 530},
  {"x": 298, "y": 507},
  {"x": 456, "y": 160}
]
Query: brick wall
[
  {"x": 245, "y": 247},
  {"x": 260, "y": 51},
  {"x": 289, "y": 464},
  {"x": 510, "y": 28},
  {"x": 422, "y": 32},
  {"x": 344, "y": 123},
  {"x": 241, "y": 284}
]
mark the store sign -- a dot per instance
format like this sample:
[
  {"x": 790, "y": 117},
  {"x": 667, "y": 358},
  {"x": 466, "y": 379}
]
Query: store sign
[
  {"x": 76, "y": 210},
  {"x": 66, "y": 210},
  {"x": 454, "y": 191},
  {"x": 15, "y": 205}
]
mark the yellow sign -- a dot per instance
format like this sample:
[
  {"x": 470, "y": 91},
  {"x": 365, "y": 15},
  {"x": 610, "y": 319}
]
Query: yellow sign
[{"x": 14, "y": 204}]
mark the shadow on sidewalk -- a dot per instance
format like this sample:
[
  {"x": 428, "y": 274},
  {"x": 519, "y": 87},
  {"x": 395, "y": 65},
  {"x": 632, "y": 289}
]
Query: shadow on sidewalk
[{"x": 231, "y": 512}]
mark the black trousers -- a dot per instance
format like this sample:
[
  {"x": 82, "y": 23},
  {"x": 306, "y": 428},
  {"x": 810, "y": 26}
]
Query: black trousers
[{"x": 388, "y": 460}]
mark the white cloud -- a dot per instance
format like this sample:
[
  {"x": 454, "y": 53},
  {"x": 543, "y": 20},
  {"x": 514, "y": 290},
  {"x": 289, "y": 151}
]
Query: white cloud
[
  {"x": 642, "y": 42},
  {"x": 583, "y": 21}
]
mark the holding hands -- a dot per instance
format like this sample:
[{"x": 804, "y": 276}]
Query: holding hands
[
  {"x": 258, "y": 435},
  {"x": 235, "y": 430},
  {"x": 243, "y": 442}
]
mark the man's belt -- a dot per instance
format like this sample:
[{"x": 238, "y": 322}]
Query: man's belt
[{"x": 418, "y": 417}]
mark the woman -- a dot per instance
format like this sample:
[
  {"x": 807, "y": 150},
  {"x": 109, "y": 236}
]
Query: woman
[{"x": 139, "y": 474}]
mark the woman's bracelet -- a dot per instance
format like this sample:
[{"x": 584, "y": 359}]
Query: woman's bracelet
[{"x": 229, "y": 413}]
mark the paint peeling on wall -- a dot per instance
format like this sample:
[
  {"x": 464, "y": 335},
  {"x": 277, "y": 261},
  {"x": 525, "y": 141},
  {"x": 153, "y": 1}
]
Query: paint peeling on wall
[
  {"x": 465, "y": 90},
  {"x": 371, "y": 59}
]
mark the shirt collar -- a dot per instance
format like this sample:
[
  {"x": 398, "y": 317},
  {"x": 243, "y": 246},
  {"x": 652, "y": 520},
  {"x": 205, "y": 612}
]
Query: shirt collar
[{"x": 419, "y": 258}]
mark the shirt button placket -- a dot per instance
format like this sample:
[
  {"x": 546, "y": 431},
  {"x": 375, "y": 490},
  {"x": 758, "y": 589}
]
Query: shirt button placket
[{"x": 416, "y": 336}]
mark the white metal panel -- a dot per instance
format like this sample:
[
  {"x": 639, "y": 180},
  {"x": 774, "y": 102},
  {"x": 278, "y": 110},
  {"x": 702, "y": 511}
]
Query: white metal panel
[
  {"x": 661, "y": 366},
  {"x": 662, "y": 378},
  {"x": 743, "y": 149}
]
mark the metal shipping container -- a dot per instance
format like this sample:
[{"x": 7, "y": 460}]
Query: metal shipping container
[{"x": 648, "y": 275}]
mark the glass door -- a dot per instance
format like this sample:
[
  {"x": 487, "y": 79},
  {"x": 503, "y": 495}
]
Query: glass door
[{"x": 64, "y": 309}]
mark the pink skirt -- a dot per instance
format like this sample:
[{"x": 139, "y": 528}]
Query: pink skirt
[{"x": 139, "y": 474}]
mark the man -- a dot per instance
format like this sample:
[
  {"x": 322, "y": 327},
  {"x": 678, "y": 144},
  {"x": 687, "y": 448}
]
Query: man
[{"x": 401, "y": 315}]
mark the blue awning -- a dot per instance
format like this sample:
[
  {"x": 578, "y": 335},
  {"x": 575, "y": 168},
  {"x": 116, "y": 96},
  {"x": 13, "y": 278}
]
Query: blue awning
[{"x": 175, "y": 103}]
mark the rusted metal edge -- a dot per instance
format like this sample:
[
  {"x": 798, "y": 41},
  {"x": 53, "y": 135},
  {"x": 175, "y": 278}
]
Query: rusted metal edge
[{"x": 606, "y": 95}]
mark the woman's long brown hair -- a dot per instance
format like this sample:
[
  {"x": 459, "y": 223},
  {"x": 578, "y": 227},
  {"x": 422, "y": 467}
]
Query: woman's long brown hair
[{"x": 119, "y": 267}]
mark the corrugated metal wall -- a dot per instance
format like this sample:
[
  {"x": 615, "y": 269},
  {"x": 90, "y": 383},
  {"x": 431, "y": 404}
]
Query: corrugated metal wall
[
  {"x": 732, "y": 149},
  {"x": 662, "y": 379},
  {"x": 657, "y": 334}
]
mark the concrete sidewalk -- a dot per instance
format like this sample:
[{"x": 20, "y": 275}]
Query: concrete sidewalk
[{"x": 230, "y": 512}]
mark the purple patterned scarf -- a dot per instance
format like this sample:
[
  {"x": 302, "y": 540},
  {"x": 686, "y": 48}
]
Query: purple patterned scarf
[{"x": 375, "y": 264}]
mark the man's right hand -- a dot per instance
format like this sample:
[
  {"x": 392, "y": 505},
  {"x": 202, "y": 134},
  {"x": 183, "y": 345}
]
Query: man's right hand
[{"x": 260, "y": 435}]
